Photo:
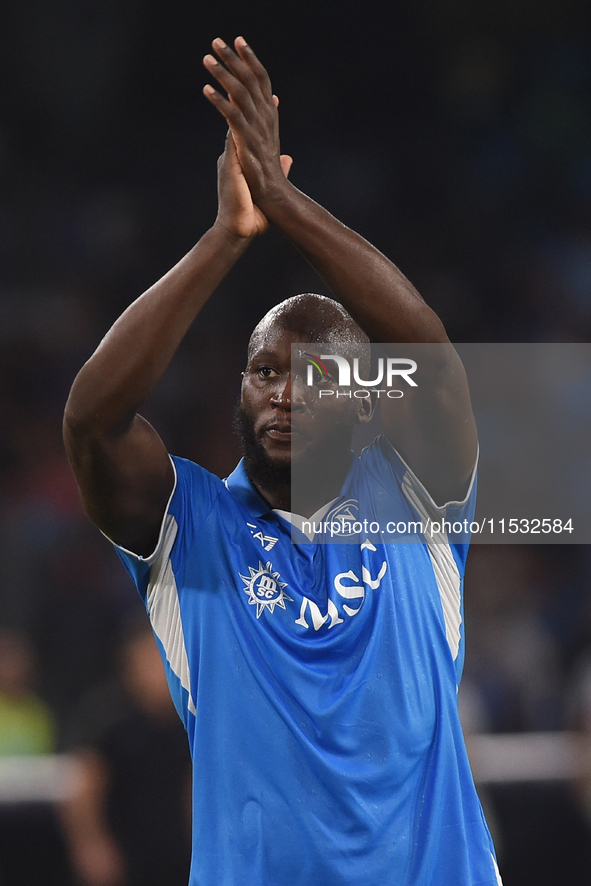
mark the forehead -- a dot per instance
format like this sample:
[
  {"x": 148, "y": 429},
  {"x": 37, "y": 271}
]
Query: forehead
[{"x": 273, "y": 337}]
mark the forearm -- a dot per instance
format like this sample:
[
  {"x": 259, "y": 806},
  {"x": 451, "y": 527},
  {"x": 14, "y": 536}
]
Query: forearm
[
  {"x": 136, "y": 351},
  {"x": 374, "y": 291}
]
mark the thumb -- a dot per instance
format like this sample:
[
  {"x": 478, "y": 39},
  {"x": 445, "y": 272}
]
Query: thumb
[
  {"x": 286, "y": 163},
  {"x": 230, "y": 146},
  {"x": 231, "y": 154}
]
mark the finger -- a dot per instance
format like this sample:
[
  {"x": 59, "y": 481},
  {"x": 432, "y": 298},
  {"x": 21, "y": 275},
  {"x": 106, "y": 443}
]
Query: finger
[
  {"x": 231, "y": 147},
  {"x": 259, "y": 88},
  {"x": 286, "y": 163},
  {"x": 249, "y": 58},
  {"x": 232, "y": 114},
  {"x": 245, "y": 66},
  {"x": 238, "y": 93},
  {"x": 228, "y": 159},
  {"x": 276, "y": 101},
  {"x": 229, "y": 143}
]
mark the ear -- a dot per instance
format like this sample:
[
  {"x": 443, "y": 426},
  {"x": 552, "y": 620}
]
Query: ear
[{"x": 366, "y": 408}]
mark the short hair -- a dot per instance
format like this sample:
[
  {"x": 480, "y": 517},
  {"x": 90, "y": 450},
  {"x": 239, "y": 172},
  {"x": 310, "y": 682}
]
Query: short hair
[{"x": 316, "y": 318}]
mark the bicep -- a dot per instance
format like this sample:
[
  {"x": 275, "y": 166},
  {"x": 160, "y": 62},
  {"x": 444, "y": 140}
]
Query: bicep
[
  {"x": 432, "y": 425},
  {"x": 125, "y": 482}
]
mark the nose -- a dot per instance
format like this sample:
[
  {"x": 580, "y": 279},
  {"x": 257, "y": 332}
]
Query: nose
[
  {"x": 281, "y": 397},
  {"x": 287, "y": 395}
]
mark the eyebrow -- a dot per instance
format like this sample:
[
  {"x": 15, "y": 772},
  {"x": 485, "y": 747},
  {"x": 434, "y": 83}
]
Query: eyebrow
[{"x": 264, "y": 354}]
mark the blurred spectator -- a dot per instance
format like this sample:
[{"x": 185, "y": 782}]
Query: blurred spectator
[
  {"x": 27, "y": 726},
  {"x": 128, "y": 824},
  {"x": 512, "y": 666},
  {"x": 26, "y": 723}
]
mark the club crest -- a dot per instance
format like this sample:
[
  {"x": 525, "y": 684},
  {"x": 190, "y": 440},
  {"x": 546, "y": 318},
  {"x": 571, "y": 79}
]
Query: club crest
[{"x": 346, "y": 513}]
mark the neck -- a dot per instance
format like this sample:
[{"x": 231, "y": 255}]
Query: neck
[{"x": 313, "y": 484}]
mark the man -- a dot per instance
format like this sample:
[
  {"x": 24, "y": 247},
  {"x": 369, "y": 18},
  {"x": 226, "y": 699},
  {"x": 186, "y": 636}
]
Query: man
[
  {"x": 127, "y": 821},
  {"x": 317, "y": 682}
]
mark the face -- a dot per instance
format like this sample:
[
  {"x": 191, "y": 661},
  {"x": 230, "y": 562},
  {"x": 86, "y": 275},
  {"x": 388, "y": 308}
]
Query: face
[{"x": 288, "y": 420}]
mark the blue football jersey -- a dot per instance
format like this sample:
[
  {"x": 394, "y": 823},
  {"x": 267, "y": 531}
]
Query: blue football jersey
[{"x": 318, "y": 685}]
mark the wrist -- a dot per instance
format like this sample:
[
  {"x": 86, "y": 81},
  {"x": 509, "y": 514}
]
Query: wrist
[
  {"x": 231, "y": 238},
  {"x": 277, "y": 194}
]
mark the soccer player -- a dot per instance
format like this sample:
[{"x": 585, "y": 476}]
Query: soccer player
[{"x": 317, "y": 682}]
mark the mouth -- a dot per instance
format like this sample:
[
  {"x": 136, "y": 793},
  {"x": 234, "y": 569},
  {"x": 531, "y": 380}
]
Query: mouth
[{"x": 279, "y": 432}]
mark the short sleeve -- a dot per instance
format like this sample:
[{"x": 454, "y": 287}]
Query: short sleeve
[
  {"x": 183, "y": 531},
  {"x": 194, "y": 494},
  {"x": 444, "y": 530},
  {"x": 397, "y": 479}
]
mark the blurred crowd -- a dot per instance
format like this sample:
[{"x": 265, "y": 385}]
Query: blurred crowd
[{"x": 455, "y": 136}]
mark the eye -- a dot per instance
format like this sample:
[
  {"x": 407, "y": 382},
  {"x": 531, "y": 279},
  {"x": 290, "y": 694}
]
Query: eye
[
  {"x": 326, "y": 380},
  {"x": 267, "y": 372},
  {"x": 321, "y": 379}
]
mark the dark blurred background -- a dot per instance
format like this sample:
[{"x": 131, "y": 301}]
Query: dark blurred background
[{"x": 454, "y": 135}]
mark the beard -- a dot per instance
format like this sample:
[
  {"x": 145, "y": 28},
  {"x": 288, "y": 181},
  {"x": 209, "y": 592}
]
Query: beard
[
  {"x": 325, "y": 467},
  {"x": 261, "y": 470}
]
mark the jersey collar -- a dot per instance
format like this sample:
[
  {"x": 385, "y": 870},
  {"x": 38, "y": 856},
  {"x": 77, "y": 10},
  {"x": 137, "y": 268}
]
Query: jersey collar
[{"x": 244, "y": 492}]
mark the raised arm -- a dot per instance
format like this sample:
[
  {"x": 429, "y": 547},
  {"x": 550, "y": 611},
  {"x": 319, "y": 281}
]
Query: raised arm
[
  {"x": 432, "y": 426},
  {"x": 121, "y": 465}
]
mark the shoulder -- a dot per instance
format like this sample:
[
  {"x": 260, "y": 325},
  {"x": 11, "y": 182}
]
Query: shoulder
[
  {"x": 381, "y": 463},
  {"x": 194, "y": 495},
  {"x": 397, "y": 493},
  {"x": 380, "y": 453},
  {"x": 193, "y": 478},
  {"x": 382, "y": 460},
  {"x": 196, "y": 490}
]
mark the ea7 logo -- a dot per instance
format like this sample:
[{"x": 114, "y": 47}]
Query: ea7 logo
[{"x": 267, "y": 541}]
